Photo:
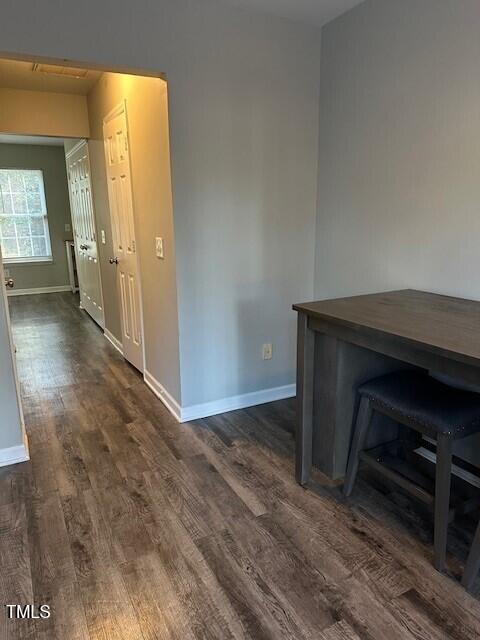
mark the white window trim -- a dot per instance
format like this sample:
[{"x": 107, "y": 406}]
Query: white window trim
[
  {"x": 28, "y": 260},
  {"x": 34, "y": 259}
]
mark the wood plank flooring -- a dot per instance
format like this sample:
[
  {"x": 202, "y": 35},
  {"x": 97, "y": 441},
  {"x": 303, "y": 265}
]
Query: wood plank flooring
[{"x": 130, "y": 525}]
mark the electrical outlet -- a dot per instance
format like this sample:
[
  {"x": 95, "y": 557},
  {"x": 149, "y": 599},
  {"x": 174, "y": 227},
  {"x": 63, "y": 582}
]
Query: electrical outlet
[
  {"x": 159, "y": 248},
  {"x": 104, "y": 238},
  {"x": 267, "y": 351}
]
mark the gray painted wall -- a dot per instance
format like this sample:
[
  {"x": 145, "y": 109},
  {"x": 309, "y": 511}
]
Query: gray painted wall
[
  {"x": 51, "y": 160},
  {"x": 399, "y": 158},
  {"x": 243, "y": 108},
  {"x": 243, "y": 92}
]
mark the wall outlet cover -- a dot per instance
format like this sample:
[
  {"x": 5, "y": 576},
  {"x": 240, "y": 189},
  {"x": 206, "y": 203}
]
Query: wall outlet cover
[{"x": 267, "y": 351}]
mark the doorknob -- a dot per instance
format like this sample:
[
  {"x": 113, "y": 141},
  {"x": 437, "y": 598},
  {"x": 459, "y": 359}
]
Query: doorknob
[
  {"x": 9, "y": 283},
  {"x": 113, "y": 260},
  {"x": 84, "y": 246}
]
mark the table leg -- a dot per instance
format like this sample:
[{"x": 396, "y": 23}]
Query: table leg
[{"x": 305, "y": 372}]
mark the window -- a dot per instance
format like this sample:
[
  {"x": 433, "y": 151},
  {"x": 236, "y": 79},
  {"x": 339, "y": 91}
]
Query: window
[{"x": 24, "y": 232}]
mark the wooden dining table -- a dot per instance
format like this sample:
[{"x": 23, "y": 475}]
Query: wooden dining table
[{"x": 343, "y": 342}]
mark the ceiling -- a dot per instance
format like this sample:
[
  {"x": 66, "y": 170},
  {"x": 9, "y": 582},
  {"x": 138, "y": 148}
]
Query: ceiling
[
  {"x": 15, "y": 74},
  {"x": 42, "y": 140},
  {"x": 316, "y": 12}
]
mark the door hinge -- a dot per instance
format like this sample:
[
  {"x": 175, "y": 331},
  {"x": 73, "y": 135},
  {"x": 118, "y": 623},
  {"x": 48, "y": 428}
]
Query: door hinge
[{"x": 133, "y": 246}]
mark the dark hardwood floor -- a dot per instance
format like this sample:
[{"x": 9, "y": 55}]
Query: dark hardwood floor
[{"x": 133, "y": 526}]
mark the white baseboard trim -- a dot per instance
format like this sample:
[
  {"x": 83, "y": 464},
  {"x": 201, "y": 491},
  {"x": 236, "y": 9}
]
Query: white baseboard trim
[
  {"x": 161, "y": 393},
  {"x": 197, "y": 411},
  {"x": 14, "y": 455},
  {"x": 113, "y": 340},
  {"x": 31, "y": 292}
]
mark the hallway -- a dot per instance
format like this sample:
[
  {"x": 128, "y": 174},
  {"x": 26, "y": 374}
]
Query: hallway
[{"x": 130, "y": 525}]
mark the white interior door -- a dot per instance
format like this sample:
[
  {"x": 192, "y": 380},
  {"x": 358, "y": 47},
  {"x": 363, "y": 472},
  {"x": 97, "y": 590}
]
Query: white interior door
[
  {"x": 84, "y": 232},
  {"x": 117, "y": 158}
]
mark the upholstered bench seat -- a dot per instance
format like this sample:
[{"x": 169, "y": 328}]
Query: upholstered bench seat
[{"x": 417, "y": 396}]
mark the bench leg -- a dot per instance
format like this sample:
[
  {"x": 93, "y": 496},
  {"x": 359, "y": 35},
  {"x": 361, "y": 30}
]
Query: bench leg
[
  {"x": 305, "y": 376},
  {"x": 362, "y": 424},
  {"x": 442, "y": 500},
  {"x": 473, "y": 563}
]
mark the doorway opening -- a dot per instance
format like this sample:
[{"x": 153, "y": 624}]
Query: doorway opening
[{"x": 101, "y": 223}]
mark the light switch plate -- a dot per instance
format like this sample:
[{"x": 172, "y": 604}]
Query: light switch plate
[
  {"x": 67, "y": 228},
  {"x": 159, "y": 248},
  {"x": 104, "y": 239}
]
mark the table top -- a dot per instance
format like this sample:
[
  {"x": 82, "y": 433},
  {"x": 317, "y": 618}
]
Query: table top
[{"x": 441, "y": 323}]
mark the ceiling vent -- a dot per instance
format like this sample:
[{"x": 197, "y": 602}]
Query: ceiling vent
[{"x": 59, "y": 70}]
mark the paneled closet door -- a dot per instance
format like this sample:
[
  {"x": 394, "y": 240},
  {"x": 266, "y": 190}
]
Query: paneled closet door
[
  {"x": 117, "y": 159},
  {"x": 84, "y": 231}
]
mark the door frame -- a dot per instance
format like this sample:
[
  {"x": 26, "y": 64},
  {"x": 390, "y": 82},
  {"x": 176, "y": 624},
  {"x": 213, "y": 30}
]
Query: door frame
[
  {"x": 83, "y": 64},
  {"x": 117, "y": 110}
]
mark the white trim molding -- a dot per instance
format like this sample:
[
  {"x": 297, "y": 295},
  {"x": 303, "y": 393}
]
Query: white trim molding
[
  {"x": 31, "y": 292},
  {"x": 18, "y": 262},
  {"x": 163, "y": 395},
  {"x": 204, "y": 410},
  {"x": 14, "y": 455},
  {"x": 113, "y": 340},
  {"x": 197, "y": 411}
]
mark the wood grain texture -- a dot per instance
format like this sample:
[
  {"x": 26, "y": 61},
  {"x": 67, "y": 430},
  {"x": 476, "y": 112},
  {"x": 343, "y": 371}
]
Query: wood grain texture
[
  {"x": 131, "y": 525},
  {"x": 445, "y": 324}
]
